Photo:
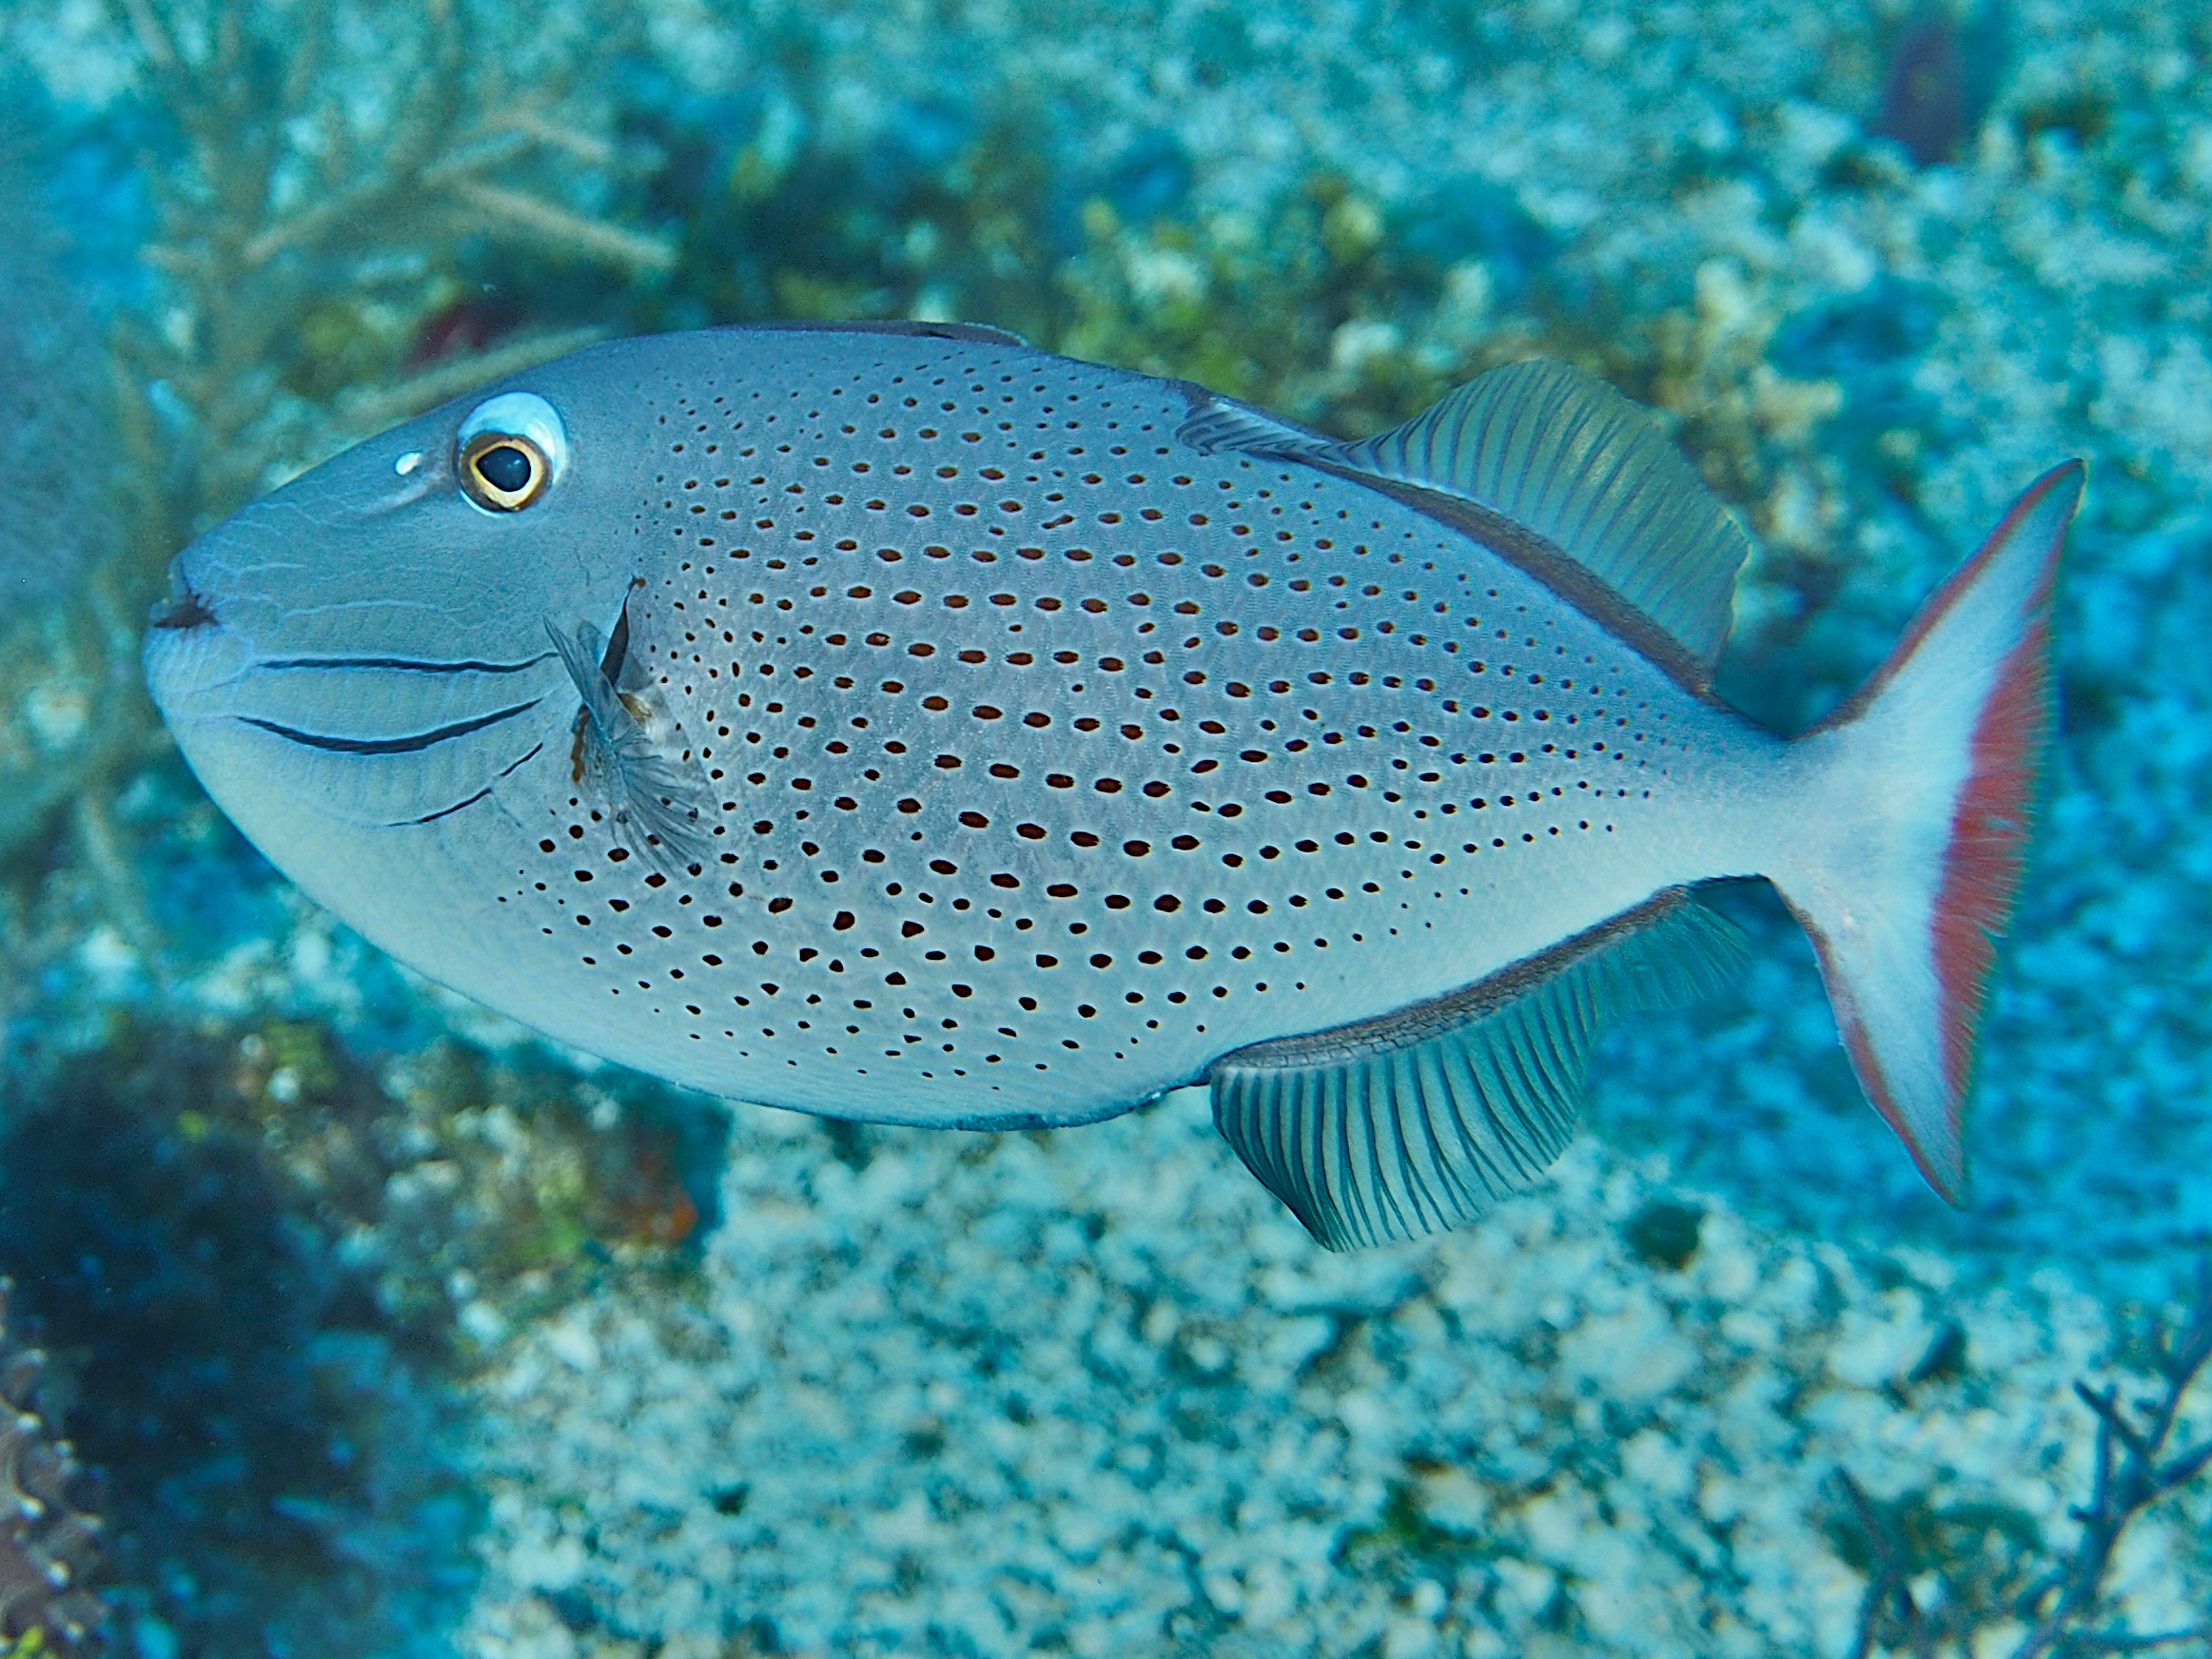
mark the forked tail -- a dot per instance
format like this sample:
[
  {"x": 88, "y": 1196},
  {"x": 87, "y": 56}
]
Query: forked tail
[{"x": 1912, "y": 826}]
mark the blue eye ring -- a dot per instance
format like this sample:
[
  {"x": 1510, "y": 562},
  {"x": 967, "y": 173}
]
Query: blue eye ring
[{"x": 513, "y": 448}]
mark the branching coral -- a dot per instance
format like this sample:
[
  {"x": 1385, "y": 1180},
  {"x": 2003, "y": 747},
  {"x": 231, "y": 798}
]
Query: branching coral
[
  {"x": 333, "y": 159},
  {"x": 315, "y": 170},
  {"x": 46, "y": 1546},
  {"x": 2133, "y": 1472},
  {"x": 2068, "y": 1602}
]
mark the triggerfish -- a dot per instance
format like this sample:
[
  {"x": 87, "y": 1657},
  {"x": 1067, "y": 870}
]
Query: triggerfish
[{"x": 898, "y": 723}]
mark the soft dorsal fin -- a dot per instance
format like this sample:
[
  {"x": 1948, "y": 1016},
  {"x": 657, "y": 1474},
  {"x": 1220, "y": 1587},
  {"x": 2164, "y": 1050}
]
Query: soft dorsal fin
[
  {"x": 1570, "y": 458},
  {"x": 1548, "y": 448},
  {"x": 1420, "y": 1119}
]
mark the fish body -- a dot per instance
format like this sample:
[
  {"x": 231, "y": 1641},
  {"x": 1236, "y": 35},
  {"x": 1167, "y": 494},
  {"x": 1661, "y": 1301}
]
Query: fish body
[{"x": 913, "y": 726}]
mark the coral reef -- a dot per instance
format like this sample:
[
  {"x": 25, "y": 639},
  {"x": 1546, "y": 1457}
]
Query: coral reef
[
  {"x": 49, "y": 1548},
  {"x": 273, "y": 1263},
  {"x": 403, "y": 1333},
  {"x": 311, "y": 174},
  {"x": 250, "y": 1408},
  {"x": 1903, "y": 1545},
  {"x": 1092, "y": 1394},
  {"x": 331, "y": 158}
]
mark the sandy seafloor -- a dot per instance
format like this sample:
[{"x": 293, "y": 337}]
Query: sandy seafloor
[{"x": 1093, "y": 1392}]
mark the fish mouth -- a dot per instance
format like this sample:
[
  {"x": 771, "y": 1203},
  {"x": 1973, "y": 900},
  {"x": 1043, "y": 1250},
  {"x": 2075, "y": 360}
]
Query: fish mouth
[
  {"x": 179, "y": 609},
  {"x": 187, "y": 652}
]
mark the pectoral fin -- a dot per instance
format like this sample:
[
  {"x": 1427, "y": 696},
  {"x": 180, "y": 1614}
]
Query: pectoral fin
[
  {"x": 654, "y": 795},
  {"x": 1420, "y": 1119}
]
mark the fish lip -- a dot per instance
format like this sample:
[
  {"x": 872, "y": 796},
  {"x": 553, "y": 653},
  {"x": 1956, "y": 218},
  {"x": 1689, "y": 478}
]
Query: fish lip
[{"x": 180, "y": 609}]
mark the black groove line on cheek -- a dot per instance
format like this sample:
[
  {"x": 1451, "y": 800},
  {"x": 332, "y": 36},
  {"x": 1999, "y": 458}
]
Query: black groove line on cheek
[
  {"x": 390, "y": 745},
  {"x": 447, "y": 811},
  {"x": 407, "y": 664}
]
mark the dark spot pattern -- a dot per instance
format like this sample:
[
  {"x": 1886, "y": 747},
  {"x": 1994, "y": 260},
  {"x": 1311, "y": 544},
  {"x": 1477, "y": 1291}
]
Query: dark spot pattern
[{"x": 1050, "y": 759}]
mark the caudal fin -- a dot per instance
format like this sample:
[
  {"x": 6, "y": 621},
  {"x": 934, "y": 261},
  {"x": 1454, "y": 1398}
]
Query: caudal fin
[{"x": 1912, "y": 828}]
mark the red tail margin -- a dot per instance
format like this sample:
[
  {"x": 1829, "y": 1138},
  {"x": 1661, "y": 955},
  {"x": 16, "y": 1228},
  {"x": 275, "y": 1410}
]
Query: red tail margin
[
  {"x": 1988, "y": 856},
  {"x": 1984, "y": 859}
]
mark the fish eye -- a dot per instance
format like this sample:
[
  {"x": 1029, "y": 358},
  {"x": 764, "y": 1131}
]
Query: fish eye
[
  {"x": 513, "y": 449},
  {"x": 503, "y": 470}
]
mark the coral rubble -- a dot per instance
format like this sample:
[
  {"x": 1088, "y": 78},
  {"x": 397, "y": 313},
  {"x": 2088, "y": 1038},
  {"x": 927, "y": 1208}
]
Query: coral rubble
[{"x": 1092, "y": 1394}]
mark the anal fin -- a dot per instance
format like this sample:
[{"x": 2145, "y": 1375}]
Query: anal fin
[{"x": 1420, "y": 1119}]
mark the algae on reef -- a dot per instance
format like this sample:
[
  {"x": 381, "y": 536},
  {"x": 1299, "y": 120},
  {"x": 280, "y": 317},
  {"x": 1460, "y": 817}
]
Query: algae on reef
[
  {"x": 270, "y": 1269},
  {"x": 48, "y": 1549}
]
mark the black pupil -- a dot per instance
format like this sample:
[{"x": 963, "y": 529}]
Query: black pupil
[{"x": 507, "y": 468}]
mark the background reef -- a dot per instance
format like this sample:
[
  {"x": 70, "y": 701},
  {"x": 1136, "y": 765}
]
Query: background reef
[{"x": 395, "y": 1331}]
